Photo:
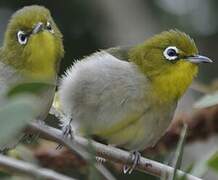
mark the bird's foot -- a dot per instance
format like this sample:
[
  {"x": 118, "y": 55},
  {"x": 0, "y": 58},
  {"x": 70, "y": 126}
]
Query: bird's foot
[
  {"x": 135, "y": 158},
  {"x": 100, "y": 160},
  {"x": 66, "y": 132}
]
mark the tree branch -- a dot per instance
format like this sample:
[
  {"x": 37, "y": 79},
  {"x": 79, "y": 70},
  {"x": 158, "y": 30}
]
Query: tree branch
[
  {"x": 107, "y": 152},
  {"x": 30, "y": 169}
]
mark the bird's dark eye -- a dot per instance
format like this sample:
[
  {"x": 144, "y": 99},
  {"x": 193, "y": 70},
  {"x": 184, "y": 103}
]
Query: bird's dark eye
[
  {"x": 22, "y": 37},
  {"x": 49, "y": 27},
  {"x": 171, "y": 53}
]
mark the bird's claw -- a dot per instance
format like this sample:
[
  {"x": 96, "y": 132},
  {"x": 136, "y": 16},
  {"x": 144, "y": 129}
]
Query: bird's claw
[
  {"x": 100, "y": 160},
  {"x": 66, "y": 132},
  {"x": 135, "y": 158}
]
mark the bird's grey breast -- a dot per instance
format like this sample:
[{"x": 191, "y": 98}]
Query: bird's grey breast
[{"x": 102, "y": 91}]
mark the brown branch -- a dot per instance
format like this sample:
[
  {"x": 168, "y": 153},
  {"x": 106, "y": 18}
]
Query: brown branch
[
  {"x": 107, "y": 152},
  {"x": 202, "y": 124}
]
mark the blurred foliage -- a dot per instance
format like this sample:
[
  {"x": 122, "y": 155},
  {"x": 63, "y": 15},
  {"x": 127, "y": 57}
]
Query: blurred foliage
[
  {"x": 14, "y": 115},
  {"x": 213, "y": 162},
  {"x": 207, "y": 101},
  {"x": 29, "y": 88}
]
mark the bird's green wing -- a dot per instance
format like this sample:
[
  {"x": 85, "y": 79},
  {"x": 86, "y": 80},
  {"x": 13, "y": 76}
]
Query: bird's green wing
[{"x": 120, "y": 52}]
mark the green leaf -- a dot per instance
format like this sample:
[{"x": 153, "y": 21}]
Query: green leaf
[
  {"x": 4, "y": 175},
  {"x": 29, "y": 87},
  {"x": 15, "y": 114},
  {"x": 213, "y": 161},
  {"x": 201, "y": 167},
  {"x": 187, "y": 170},
  {"x": 207, "y": 101}
]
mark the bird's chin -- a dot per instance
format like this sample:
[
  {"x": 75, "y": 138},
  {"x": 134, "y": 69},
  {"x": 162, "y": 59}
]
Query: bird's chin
[
  {"x": 42, "y": 38},
  {"x": 42, "y": 55}
]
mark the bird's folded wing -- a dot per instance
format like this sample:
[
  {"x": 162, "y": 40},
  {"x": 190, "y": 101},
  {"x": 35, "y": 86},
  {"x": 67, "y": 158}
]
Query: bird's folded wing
[
  {"x": 120, "y": 52},
  {"x": 8, "y": 77}
]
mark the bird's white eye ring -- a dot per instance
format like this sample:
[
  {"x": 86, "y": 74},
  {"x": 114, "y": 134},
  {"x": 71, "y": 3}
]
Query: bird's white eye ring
[
  {"x": 49, "y": 27},
  {"x": 171, "y": 53},
  {"x": 22, "y": 37}
]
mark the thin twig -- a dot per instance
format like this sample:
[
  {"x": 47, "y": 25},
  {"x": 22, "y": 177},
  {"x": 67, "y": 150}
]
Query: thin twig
[
  {"x": 30, "y": 169},
  {"x": 179, "y": 152},
  {"x": 107, "y": 152}
]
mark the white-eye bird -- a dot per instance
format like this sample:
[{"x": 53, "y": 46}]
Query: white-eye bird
[
  {"x": 127, "y": 96},
  {"x": 31, "y": 52}
]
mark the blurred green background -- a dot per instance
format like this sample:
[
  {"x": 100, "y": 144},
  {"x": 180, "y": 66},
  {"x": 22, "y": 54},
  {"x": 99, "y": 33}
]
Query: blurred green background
[{"x": 90, "y": 25}]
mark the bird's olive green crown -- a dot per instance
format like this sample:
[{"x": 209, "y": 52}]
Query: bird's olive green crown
[
  {"x": 33, "y": 43},
  {"x": 163, "y": 52}
]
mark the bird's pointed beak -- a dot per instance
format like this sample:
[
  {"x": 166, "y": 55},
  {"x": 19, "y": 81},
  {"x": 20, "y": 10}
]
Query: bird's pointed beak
[
  {"x": 38, "y": 27},
  {"x": 199, "y": 59}
]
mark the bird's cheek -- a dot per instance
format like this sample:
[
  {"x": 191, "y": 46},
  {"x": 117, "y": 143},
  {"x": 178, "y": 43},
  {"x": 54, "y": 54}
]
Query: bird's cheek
[
  {"x": 191, "y": 68},
  {"x": 185, "y": 62}
]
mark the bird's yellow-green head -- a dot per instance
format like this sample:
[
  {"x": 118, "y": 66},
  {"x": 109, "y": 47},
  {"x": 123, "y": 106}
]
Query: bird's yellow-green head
[
  {"x": 170, "y": 61},
  {"x": 33, "y": 43}
]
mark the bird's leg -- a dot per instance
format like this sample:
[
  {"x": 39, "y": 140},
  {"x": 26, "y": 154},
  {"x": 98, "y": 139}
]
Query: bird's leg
[
  {"x": 66, "y": 131},
  {"x": 135, "y": 158}
]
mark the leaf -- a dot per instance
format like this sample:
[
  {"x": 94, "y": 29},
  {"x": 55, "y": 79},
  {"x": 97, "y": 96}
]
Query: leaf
[
  {"x": 15, "y": 114},
  {"x": 29, "y": 87},
  {"x": 213, "y": 161},
  {"x": 187, "y": 170},
  {"x": 207, "y": 101},
  {"x": 201, "y": 166},
  {"x": 4, "y": 175}
]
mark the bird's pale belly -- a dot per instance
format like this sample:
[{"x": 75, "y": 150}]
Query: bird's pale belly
[{"x": 143, "y": 133}]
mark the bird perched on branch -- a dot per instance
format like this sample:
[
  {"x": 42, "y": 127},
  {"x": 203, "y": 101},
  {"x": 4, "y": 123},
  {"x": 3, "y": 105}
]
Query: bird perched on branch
[
  {"x": 127, "y": 96},
  {"x": 31, "y": 52}
]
